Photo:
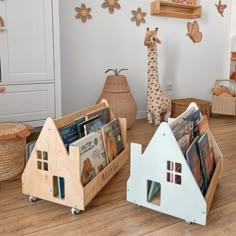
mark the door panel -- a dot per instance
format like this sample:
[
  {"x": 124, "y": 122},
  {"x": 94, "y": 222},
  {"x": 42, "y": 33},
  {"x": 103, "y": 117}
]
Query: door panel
[
  {"x": 29, "y": 38},
  {"x": 21, "y": 103}
]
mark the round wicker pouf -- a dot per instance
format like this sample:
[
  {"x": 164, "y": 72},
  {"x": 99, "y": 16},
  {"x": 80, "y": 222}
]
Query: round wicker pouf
[{"x": 12, "y": 149}]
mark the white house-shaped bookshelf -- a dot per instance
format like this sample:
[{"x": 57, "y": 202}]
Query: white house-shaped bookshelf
[
  {"x": 50, "y": 160},
  {"x": 182, "y": 198}
]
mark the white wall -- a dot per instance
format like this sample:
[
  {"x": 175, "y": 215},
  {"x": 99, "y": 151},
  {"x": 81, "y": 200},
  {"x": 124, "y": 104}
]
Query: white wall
[{"x": 113, "y": 41}]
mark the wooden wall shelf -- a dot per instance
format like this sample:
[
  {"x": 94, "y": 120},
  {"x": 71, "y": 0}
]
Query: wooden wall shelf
[{"x": 178, "y": 10}]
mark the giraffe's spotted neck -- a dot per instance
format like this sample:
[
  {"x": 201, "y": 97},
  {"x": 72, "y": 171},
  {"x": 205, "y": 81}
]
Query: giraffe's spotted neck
[{"x": 152, "y": 65}]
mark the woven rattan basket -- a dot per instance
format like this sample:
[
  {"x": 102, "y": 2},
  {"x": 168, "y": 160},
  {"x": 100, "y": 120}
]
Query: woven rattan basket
[
  {"x": 12, "y": 149},
  {"x": 224, "y": 105},
  {"x": 180, "y": 105},
  {"x": 117, "y": 92}
]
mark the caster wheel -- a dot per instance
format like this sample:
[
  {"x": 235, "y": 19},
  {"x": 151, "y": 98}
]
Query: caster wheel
[
  {"x": 33, "y": 199},
  {"x": 75, "y": 211},
  {"x": 188, "y": 222}
]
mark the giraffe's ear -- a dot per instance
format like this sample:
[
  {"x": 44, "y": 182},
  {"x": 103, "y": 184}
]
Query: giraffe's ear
[{"x": 158, "y": 40}]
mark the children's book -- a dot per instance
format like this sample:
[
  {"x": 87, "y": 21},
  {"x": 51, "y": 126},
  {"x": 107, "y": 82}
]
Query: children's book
[
  {"x": 103, "y": 113},
  {"x": 194, "y": 162},
  {"x": 112, "y": 139},
  {"x": 207, "y": 162},
  {"x": 195, "y": 117},
  {"x": 183, "y": 133},
  {"x": 89, "y": 126},
  {"x": 29, "y": 149},
  {"x": 153, "y": 190},
  {"x": 203, "y": 126},
  {"x": 92, "y": 156},
  {"x": 61, "y": 187},
  {"x": 69, "y": 133},
  {"x": 94, "y": 124}
]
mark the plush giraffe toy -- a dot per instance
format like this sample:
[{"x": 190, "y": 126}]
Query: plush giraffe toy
[{"x": 158, "y": 103}]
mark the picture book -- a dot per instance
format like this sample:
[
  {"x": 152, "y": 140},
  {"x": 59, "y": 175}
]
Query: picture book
[
  {"x": 203, "y": 126},
  {"x": 153, "y": 190},
  {"x": 207, "y": 162},
  {"x": 193, "y": 160},
  {"x": 69, "y": 133},
  {"x": 92, "y": 156},
  {"x": 29, "y": 149},
  {"x": 92, "y": 125},
  {"x": 61, "y": 187},
  {"x": 195, "y": 117},
  {"x": 103, "y": 113},
  {"x": 112, "y": 139},
  {"x": 183, "y": 133}
]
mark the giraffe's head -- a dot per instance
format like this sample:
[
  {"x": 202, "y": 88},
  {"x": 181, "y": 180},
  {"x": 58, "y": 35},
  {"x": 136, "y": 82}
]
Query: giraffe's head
[{"x": 151, "y": 38}]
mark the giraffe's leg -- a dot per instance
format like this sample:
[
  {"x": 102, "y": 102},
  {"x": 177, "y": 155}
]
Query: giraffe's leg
[
  {"x": 168, "y": 111},
  {"x": 157, "y": 118},
  {"x": 167, "y": 115},
  {"x": 149, "y": 117}
]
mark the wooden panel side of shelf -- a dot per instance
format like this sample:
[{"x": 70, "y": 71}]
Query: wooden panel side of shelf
[{"x": 41, "y": 182}]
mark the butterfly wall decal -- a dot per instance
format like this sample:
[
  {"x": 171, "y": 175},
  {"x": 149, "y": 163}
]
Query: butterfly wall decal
[
  {"x": 193, "y": 32},
  {"x": 221, "y": 8}
]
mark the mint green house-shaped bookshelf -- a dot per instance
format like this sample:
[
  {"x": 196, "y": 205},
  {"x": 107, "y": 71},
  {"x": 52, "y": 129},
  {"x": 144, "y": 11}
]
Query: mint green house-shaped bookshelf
[{"x": 182, "y": 199}]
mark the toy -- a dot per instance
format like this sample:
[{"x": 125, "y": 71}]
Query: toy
[
  {"x": 220, "y": 91},
  {"x": 158, "y": 103}
]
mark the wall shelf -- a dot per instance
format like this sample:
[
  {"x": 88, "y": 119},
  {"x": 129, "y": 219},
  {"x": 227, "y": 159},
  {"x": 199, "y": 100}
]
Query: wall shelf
[{"x": 177, "y": 10}]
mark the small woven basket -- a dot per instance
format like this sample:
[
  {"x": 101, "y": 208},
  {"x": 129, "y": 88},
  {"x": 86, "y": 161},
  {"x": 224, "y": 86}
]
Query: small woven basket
[
  {"x": 180, "y": 105},
  {"x": 12, "y": 149}
]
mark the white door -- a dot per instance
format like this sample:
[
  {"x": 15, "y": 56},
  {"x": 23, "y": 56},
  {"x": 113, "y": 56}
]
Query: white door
[{"x": 26, "y": 47}]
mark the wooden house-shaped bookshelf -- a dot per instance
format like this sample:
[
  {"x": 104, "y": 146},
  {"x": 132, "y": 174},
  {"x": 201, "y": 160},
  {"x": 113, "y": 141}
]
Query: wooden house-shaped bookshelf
[
  {"x": 50, "y": 160},
  {"x": 182, "y": 199}
]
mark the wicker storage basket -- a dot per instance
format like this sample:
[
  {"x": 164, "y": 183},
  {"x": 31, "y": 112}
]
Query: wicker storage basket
[
  {"x": 180, "y": 105},
  {"x": 12, "y": 149},
  {"x": 117, "y": 92},
  {"x": 224, "y": 105}
]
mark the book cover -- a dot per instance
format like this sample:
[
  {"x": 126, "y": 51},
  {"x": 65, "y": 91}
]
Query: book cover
[
  {"x": 207, "y": 163},
  {"x": 183, "y": 133},
  {"x": 93, "y": 123},
  {"x": 103, "y": 113},
  {"x": 92, "y": 156},
  {"x": 61, "y": 187},
  {"x": 29, "y": 149},
  {"x": 69, "y": 133},
  {"x": 194, "y": 162},
  {"x": 112, "y": 139},
  {"x": 153, "y": 190},
  {"x": 203, "y": 126},
  {"x": 195, "y": 117}
]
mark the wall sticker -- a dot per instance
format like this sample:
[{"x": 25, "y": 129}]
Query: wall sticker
[
  {"x": 221, "y": 8},
  {"x": 138, "y": 16},
  {"x": 83, "y": 13},
  {"x": 111, "y": 5},
  {"x": 193, "y": 32}
]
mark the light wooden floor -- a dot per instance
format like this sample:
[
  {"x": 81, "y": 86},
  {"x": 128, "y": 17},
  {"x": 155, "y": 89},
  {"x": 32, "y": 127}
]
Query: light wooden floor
[{"x": 110, "y": 214}]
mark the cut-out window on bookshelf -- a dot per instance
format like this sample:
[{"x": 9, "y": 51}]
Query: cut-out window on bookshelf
[
  {"x": 42, "y": 160},
  {"x": 174, "y": 170},
  {"x": 59, "y": 187},
  {"x": 154, "y": 192}
]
